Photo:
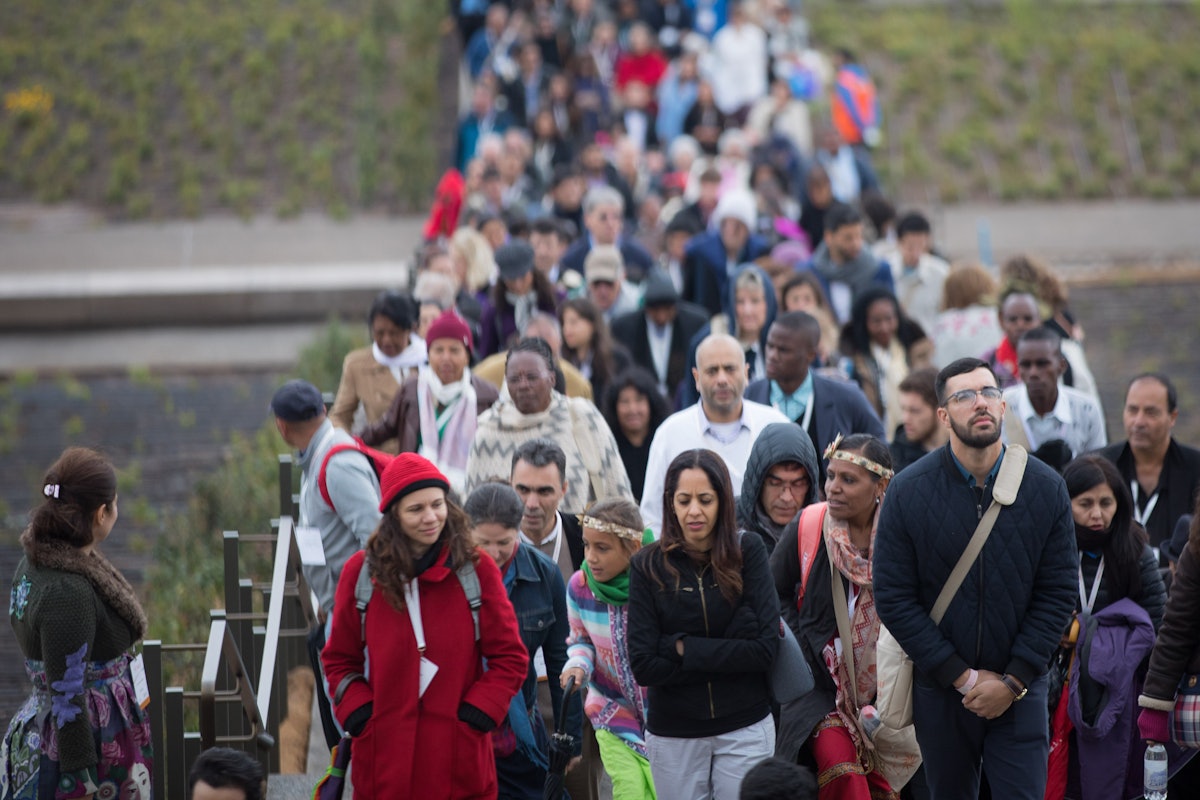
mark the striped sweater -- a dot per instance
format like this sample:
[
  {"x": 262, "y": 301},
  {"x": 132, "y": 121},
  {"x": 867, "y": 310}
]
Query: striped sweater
[{"x": 598, "y": 645}]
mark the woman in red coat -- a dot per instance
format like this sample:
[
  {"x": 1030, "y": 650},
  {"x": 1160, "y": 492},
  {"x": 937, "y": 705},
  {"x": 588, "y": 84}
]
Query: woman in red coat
[{"x": 425, "y": 732}]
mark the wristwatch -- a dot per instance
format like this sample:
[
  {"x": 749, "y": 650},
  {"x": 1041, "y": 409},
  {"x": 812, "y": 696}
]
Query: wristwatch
[{"x": 1017, "y": 690}]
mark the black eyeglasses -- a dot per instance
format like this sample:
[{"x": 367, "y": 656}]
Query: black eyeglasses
[{"x": 964, "y": 396}]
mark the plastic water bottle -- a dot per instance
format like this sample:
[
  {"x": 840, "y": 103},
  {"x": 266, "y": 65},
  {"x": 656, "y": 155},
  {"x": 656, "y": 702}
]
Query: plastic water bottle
[{"x": 1155, "y": 765}]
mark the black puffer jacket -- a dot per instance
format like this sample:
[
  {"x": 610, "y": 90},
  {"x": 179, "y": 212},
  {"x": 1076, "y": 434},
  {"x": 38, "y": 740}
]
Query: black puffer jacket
[
  {"x": 1177, "y": 651},
  {"x": 720, "y": 683},
  {"x": 1009, "y": 613},
  {"x": 778, "y": 443}
]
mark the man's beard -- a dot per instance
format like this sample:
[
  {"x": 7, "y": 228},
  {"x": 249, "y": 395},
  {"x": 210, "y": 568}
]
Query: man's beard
[{"x": 978, "y": 441}]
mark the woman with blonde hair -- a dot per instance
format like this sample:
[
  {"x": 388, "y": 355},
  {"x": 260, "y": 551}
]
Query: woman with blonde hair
[
  {"x": 474, "y": 260},
  {"x": 967, "y": 326}
]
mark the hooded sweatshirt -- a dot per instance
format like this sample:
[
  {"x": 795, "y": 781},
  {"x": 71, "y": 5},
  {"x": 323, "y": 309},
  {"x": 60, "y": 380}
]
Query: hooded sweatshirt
[
  {"x": 779, "y": 442},
  {"x": 858, "y": 274}
]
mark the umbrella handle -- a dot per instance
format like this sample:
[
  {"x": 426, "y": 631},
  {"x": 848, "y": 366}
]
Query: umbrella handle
[{"x": 562, "y": 717}]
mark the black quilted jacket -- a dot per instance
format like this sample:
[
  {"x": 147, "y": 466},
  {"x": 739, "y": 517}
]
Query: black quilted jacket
[{"x": 1009, "y": 613}]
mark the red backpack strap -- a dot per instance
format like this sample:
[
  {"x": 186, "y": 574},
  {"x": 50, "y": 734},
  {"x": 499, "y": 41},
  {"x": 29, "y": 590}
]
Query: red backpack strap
[
  {"x": 808, "y": 539},
  {"x": 333, "y": 451}
]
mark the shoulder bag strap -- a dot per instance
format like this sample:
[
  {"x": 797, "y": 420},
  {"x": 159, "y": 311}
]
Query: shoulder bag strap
[
  {"x": 1015, "y": 428},
  {"x": 841, "y": 610},
  {"x": 1003, "y": 494}
]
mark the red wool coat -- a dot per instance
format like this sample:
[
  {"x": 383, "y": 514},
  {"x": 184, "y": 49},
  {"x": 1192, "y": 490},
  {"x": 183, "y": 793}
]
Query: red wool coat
[{"x": 418, "y": 747}]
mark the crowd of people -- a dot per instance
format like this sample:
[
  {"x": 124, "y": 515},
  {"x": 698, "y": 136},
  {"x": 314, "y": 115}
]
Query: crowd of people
[{"x": 672, "y": 374}]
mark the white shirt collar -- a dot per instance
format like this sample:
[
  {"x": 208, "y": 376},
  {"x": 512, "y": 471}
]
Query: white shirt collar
[
  {"x": 1060, "y": 412},
  {"x": 704, "y": 424}
]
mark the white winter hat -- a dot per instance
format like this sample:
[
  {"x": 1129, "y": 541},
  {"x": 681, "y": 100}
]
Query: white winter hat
[{"x": 740, "y": 205}]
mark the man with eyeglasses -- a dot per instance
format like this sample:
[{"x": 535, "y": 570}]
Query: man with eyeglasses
[
  {"x": 780, "y": 480},
  {"x": 979, "y": 693}
]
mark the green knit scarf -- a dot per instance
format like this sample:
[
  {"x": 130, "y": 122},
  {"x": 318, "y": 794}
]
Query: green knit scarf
[{"x": 614, "y": 592}]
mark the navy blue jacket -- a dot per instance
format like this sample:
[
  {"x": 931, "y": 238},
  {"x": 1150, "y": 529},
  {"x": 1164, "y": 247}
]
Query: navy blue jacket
[
  {"x": 706, "y": 280},
  {"x": 841, "y": 407},
  {"x": 539, "y": 597},
  {"x": 1010, "y": 612}
]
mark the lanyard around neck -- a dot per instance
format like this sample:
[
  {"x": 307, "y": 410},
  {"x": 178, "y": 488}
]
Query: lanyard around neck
[
  {"x": 1141, "y": 516},
  {"x": 1088, "y": 599},
  {"x": 412, "y": 601}
]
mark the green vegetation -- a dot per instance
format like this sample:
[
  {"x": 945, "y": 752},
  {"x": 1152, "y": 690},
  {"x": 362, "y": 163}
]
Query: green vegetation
[
  {"x": 1045, "y": 91},
  {"x": 182, "y": 107}
]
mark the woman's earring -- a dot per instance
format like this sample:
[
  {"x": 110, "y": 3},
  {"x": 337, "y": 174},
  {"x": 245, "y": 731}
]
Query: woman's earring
[{"x": 877, "y": 501}]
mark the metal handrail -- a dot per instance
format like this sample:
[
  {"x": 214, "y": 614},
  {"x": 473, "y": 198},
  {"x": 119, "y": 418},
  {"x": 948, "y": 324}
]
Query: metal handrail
[
  {"x": 222, "y": 646},
  {"x": 287, "y": 559}
]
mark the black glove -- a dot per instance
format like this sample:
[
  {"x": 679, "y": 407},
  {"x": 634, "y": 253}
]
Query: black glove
[
  {"x": 475, "y": 718},
  {"x": 358, "y": 719}
]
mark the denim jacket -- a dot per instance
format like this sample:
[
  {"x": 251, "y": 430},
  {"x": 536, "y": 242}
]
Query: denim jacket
[{"x": 539, "y": 597}]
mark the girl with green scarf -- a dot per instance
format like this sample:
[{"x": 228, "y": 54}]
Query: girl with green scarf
[{"x": 597, "y": 655}]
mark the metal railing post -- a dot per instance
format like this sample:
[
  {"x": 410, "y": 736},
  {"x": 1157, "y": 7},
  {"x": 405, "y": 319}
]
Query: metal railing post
[
  {"x": 176, "y": 764},
  {"x": 152, "y": 655}
]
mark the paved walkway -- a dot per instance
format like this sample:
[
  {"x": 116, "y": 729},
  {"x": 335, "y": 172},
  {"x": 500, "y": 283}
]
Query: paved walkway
[{"x": 192, "y": 293}]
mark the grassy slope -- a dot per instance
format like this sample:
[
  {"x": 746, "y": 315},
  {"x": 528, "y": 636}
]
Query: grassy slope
[
  {"x": 181, "y": 107},
  {"x": 175, "y": 108},
  {"x": 1030, "y": 99}
]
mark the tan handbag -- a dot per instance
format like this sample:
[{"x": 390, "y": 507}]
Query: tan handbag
[
  {"x": 894, "y": 754},
  {"x": 894, "y": 669}
]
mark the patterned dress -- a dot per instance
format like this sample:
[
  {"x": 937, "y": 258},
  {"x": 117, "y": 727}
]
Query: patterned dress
[{"x": 81, "y": 731}]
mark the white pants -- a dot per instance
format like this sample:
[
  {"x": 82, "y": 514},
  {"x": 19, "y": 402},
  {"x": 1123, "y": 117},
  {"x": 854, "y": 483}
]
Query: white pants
[{"x": 712, "y": 767}]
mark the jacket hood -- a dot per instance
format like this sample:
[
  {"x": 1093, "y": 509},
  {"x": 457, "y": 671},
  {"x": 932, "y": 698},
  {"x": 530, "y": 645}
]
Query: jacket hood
[
  {"x": 778, "y": 442},
  {"x": 772, "y": 303}
]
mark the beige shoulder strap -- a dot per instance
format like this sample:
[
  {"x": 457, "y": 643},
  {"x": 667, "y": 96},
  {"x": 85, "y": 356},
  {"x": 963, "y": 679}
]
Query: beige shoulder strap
[
  {"x": 841, "y": 610},
  {"x": 1015, "y": 429},
  {"x": 1012, "y": 470}
]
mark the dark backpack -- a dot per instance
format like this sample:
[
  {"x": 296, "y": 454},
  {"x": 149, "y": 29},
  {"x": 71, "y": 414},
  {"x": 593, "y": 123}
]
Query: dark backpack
[
  {"x": 467, "y": 577},
  {"x": 377, "y": 459}
]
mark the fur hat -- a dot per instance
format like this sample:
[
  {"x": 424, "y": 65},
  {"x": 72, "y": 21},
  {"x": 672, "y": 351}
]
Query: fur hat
[{"x": 738, "y": 204}]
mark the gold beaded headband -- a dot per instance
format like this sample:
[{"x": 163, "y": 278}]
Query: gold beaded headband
[
  {"x": 833, "y": 454},
  {"x": 610, "y": 527}
]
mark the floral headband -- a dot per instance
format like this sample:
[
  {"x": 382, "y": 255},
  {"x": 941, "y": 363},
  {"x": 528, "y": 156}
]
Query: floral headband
[
  {"x": 632, "y": 534},
  {"x": 833, "y": 454}
]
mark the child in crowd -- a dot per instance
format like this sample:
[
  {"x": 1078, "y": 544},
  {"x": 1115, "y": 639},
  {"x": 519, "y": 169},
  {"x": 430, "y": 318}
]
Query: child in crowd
[{"x": 597, "y": 654}]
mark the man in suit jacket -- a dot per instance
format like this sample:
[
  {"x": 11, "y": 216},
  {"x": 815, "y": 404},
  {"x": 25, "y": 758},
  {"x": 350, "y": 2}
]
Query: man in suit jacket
[
  {"x": 657, "y": 336},
  {"x": 823, "y": 407},
  {"x": 1163, "y": 475}
]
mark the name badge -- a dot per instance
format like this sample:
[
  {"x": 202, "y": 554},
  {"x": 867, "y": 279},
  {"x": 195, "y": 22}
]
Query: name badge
[
  {"x": 428, "y": 670},
  {"x": 141, "y": 689}
]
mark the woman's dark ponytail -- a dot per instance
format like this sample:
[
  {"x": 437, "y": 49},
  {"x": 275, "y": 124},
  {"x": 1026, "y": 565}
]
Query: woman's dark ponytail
[{"x": 80, "y": 482}]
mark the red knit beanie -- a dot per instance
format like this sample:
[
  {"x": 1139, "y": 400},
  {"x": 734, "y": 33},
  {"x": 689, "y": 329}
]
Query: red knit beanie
[
  {"x": 449, "y": 326},
  {"x": 407, "y": 473}
]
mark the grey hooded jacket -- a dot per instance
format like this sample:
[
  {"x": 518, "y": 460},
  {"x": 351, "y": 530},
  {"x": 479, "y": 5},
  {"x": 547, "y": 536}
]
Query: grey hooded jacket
[{"x": 779, "y": 442}]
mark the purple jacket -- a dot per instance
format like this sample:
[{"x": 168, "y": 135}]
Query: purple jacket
[{"x": 1103, "y": 702}]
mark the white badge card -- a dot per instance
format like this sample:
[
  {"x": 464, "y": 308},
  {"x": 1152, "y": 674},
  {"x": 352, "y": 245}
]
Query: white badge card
[
  {"x": 428, "y": 670},
  {"x": 141, "y": 689},
  {"x": 312, "y": 551},
  {"x": 539, "y": 663}
]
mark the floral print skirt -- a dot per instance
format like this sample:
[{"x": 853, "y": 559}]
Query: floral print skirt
[{"x": 121, "y": 728}]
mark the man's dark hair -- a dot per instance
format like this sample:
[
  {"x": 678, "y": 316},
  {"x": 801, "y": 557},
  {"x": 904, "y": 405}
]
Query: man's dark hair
[
  {"x": 878, "y": 209},
  {"x": 1172, "y": 395},
  {"x": 800, "y": 322},
  {"x": 912, "y": 222},
  {"x": 542, "y": 452},
  {"x": 222, "y": 767},
  {"x": 549, "y": 226},
  {"x": 840, "y": 215},
  {"x": 922, "y": 382},
  {"x": 1042, "y": 334},
  {"x": 776, "y": 779},
  {"x": 960, "y": 367},
  {"x": 532, "y": 344}
]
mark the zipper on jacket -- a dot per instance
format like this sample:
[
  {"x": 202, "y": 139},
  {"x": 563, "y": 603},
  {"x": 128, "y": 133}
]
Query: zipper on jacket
[
  {"x": 712, "y": 708},
  {"x": 979, "y": 617}
]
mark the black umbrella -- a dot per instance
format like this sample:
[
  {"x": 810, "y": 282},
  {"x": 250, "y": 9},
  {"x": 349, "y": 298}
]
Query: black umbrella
[{"x": 562, "y": 744}]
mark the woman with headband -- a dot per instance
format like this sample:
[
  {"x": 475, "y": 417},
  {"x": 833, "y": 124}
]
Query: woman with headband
[{"x": 835, "y": 541}]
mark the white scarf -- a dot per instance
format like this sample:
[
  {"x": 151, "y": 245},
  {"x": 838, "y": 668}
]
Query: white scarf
[
  {"x": 523, "y": 306},
  {"x": 446, "y": 437},
  {"x": 413, "y": 355}
]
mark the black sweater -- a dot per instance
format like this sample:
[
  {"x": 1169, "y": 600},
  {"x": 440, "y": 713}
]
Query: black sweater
[{"x": 720, "y": 683}]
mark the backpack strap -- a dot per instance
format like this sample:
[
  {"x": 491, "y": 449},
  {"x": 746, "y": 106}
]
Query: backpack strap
[
  {"x": 808, "y": 539},
  {"x": 363, "y": 588},
  {"x": 333, "y": 451},
  {"x": 470, "y": 584}
]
